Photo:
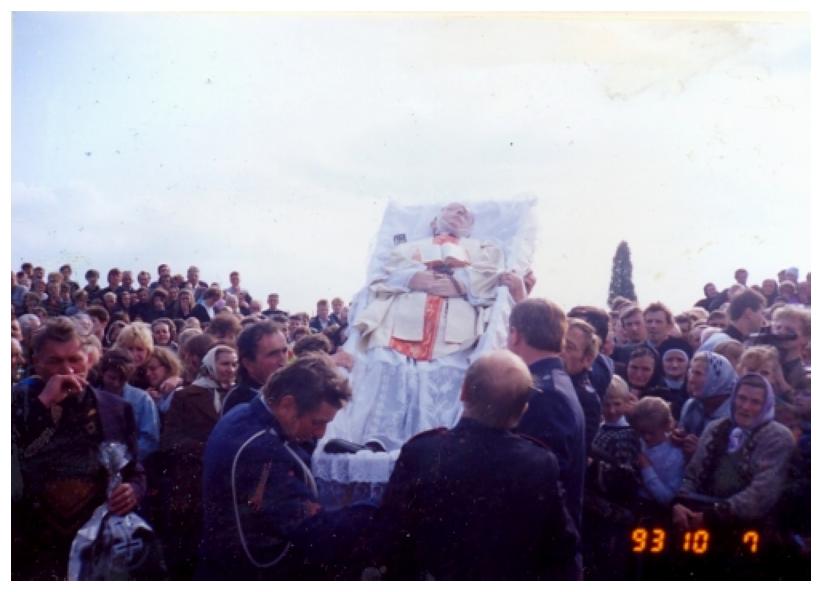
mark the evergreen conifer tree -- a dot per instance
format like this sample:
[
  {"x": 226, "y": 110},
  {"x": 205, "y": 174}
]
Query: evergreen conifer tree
[{"x": 621, "y": 283}]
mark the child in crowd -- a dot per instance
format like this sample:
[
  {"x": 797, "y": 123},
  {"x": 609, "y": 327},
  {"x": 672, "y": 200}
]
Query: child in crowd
[
  {"x": 662, "y": 464},
  {"x": 611, "y": 485},
  {"x": 615, "y": 438}
]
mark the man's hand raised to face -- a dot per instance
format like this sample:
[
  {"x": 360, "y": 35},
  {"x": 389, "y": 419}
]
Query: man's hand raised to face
[{"x": 60, "y": 386}]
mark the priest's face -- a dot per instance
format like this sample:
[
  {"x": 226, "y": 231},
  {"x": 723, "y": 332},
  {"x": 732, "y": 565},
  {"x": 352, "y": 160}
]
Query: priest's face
[{"x": 455, "y": 219}]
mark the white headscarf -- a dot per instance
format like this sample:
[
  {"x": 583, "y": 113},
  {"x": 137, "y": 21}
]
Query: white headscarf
[{"x": 207, "y": 376}]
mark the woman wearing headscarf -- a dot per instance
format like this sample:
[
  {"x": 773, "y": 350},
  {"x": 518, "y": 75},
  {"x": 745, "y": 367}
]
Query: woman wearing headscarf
[
  {"x": 193, "y": 412},
  {"x": 676, "y": 354},
  {"x": 741, "y": 462},
  {"x": 645, "y": 378},
  {"x": 711, "y": 380}
]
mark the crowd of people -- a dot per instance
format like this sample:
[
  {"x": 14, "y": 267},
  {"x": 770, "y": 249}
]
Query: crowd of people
[{"x": 592, "y": 422}]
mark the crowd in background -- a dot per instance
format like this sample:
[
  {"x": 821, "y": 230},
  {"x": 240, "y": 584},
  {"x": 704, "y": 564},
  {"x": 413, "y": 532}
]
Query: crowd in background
[{"x": 652, "y": 385}]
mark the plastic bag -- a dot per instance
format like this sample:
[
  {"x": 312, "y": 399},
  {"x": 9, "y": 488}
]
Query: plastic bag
[{"x": 111, "y": 547}]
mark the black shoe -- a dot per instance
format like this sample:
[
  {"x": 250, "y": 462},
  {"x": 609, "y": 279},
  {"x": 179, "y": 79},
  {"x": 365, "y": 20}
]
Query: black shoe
[
  {"x": 374, "y": 446},
  {"x": 340, "y": 446}
]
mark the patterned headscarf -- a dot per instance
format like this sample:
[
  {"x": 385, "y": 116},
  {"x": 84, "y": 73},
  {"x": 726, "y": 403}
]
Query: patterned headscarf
[
  {"x": 738, "y": 434},
  {"x": 720, "y": 377}
]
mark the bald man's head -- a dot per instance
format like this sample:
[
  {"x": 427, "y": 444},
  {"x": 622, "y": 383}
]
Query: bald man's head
[{"x": 496, "y": 390}]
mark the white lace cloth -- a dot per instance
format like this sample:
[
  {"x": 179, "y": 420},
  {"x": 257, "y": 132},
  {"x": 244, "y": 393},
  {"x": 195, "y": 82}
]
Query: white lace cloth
[{"x": 396, "y": 397}]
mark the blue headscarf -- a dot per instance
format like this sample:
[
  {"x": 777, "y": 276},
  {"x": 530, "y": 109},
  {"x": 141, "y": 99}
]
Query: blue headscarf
[
  {"x": 720, "y": 377},
  {"x": 739, "y": 434}
]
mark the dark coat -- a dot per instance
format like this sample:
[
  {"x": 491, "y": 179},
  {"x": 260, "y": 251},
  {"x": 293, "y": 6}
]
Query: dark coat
[
  {"x": 188, "y": 423},
  {"x": 200, "y": 313},
  {"x": 476, "y": 503},
  {"x": 255, "y": 493},
  {"x": 591, "y": 406},
  {"x": 555, "y": 418},
  {"x": 602, "y": 371},
  {"x": 243, "y": 392}
]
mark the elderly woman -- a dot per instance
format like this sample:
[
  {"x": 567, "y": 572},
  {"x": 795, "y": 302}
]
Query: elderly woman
[
  {"x": 193, "y": 412},
  {"x": 645, "y": 375},
  {"x": 764, "y": 360},
  {"x": 711, "y": 379},
  {"x": 741, "y": 462}
]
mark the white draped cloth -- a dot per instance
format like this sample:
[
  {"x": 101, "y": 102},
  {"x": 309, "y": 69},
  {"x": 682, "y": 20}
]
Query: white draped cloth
[{"x": 396, "y": 397}]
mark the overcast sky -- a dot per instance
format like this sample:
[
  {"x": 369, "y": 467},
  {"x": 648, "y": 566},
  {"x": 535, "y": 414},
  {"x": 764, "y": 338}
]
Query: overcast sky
[{"x": 271, "y": 144}]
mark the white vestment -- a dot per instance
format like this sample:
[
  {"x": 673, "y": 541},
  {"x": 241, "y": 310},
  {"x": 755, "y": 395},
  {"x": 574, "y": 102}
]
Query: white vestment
[
  {"x": 396, "y": 397},
  {"x": 400, "y": 313}
]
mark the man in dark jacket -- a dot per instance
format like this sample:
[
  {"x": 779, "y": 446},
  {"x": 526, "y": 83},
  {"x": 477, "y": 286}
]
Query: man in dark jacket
[
  {"x": 261, "y": 514},
  {"x": 554, "y": 416},
  {"x": 58, "y": 424},
  {"x": 479, "y": 502},
  {"x": 262, "y": 350},
  {"x": 323, "y": 320}
]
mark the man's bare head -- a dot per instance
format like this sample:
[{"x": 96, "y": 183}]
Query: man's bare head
[
  {"x": 454, "y": 219},
  {"x": 496, "y": 390}
]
